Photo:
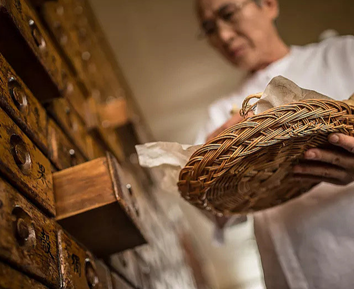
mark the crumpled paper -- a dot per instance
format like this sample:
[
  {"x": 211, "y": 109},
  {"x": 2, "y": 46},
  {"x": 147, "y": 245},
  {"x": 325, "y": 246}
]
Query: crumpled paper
[
  {"x": 280, "y": 91},
  {"x": 168, "y": 158}
]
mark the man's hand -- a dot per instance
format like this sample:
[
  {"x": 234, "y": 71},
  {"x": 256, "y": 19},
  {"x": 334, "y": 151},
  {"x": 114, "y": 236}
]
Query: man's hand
[
  {"x": 334, "y": 166},
  {"x": 236, "y": 118}
]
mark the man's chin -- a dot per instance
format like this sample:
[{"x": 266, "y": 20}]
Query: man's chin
[{"x": 244, "y": 63}]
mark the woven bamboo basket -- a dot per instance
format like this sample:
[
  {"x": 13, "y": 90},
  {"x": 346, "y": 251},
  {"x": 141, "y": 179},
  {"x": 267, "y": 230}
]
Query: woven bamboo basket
[{"x": 248, "y": 167}]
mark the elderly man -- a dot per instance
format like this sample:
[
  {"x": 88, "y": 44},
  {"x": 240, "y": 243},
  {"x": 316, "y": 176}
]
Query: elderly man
[{"x": 308, "y": 242}]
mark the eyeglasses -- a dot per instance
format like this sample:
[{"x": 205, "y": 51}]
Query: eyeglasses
[{"x": 229, "y": 13}]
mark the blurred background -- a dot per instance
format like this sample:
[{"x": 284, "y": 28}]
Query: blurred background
[{"x": 174, "y": 77}]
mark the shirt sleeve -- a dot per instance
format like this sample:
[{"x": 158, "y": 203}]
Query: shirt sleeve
[
  {"x": 218, "y": 114},
  {"x": 340, "y": 58}
]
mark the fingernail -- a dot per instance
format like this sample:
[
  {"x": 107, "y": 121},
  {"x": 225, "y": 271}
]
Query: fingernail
[
  {"x": 334, "y": 138},
  {"x": 310, "y": 155}
]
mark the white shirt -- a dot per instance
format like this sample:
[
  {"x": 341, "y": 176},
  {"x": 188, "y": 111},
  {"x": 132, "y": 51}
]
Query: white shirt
[
  {"x": 308, "y": 242},
  {"x": 326, "y": 67}
]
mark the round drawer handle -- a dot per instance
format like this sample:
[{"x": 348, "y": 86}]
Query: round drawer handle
[
  {"x": 20, "y": 154},
  {"x": 91, "y": 275},
  {"x": 134, "y": 204},
  {"x": 23, "y": 228},
  {"x": 36, "y": 34},
  {"x": 18, "y": 96},
  {"x": 73, "y": 159}
]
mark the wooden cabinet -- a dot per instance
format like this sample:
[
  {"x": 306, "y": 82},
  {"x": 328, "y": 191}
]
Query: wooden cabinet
[
  {"x": 12, "y": 279},
  {"x": 95, "y": 204},
  {"x": 25, "y": 165},
  {"x": 28, "y": 238},
  {"x": 77, "y": 267},
  {"x": 71, "y": 190}
]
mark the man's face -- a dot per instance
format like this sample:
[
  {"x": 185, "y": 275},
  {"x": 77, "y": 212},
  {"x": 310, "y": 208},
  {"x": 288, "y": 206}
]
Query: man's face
[{"x": 240, "y": 29}]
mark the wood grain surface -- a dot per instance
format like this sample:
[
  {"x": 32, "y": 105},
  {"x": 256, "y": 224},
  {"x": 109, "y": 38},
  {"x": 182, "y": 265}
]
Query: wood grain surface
[
  {"x": 22, "y": 106},
  {"x": 28, "y": 238},
  {"x": 25, "y": 165}
]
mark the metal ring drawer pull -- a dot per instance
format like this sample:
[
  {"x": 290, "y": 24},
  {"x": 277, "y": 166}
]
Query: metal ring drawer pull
[
  {"x": 134, "y": 204},
  {"x": 18, "y": 96},
  {"x": 36, "y": 34},
  {"x": 20, "y": 154},
  {"x": 23, "y": 228},
  {"x": 91, "y": 275}
]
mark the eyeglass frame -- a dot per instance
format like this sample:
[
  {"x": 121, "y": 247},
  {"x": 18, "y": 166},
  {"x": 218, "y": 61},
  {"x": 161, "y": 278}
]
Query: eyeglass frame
[{"x": 238, "y": 8}]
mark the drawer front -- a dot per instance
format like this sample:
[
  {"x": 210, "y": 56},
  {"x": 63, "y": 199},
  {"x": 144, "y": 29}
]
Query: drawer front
[
  {"x": 28, "y": 238},
  {"x": 104, "y": 275},
  {"x": 124, "y": 192},
  {"x": 19, "y": 103},
  {"x": 76, "y": 97},
  {"x": 77, "y": 268},
  {"x": 126, "y": 265},
  {"x": 12, "y": 279},
  {"x": 23, "y": 163},
  {"x": 70, "y": 121},
  {"x": 62, "y": 152},
  {"x": 119, "y": 283},
  {"x": 32, "y": 30},
  {"x": 65, "y": 22}
]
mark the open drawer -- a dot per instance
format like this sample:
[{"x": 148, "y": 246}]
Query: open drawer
[{"x": 97, "y": 206}]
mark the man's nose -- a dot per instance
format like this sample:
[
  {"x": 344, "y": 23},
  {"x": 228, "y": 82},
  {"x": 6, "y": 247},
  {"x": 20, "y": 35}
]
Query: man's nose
[{"x": 225, "y": 32}]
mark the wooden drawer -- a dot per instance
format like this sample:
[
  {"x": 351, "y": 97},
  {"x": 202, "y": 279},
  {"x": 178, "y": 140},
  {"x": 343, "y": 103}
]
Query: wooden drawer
[
  {"x": 71, "y": 123},
  {"x": 71, "y": 34},
  {"x": 24, "y": 165},
  {"x": 108, "y": 135},
  {"x": 62, "y": 152},
  {"x": 77, "y": 267},
  {"x": 30, "y": 51},
  {"x": 125, "y": 264},
  {"x": 20, "y": 104},
  {"x": 76, "y": 95},
  {"x": 104, "y": 275},
  {"x": 12, "y": 279},
  {"x": 95, "y": 149},
  {"x": 28, "y": 238},
  {"x": 119, "y": 283},
  {"x": 92, "y": 199}
]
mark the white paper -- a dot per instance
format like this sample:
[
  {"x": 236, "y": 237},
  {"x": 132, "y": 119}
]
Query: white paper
[
  {"x": 166, "y": 160},
  {"x": 280, "y": 91}
]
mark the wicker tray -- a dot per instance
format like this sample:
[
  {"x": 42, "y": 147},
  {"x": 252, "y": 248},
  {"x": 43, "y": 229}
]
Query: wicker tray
[{"x": 248, "y": 167}]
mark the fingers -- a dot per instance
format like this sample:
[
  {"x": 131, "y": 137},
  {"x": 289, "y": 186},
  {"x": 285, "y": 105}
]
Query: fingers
[
  {"x": 314, "y": 179},
  {"x": 340, "y": 159},
  {"x": 324, "y": 173},
  {"x": 342, "y": 140}
]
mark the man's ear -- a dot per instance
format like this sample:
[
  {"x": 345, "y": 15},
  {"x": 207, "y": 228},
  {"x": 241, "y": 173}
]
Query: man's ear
[{"x": 271, "y": 7}]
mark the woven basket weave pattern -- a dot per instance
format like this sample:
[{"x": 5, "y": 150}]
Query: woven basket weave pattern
[{"x": 248, "y": 166}]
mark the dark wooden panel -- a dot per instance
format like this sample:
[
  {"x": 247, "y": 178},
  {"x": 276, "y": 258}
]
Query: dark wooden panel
[
  {"x": 23, "y": 163},
  {"x": 62, "y": 152},
  {"x": 94, "y": 200},
  {"x": 19, "y": 103},
  {"x": 12, "y": 279},
  {"x": 77, "y": 267},
  {"x": 28, "y": 238}
]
